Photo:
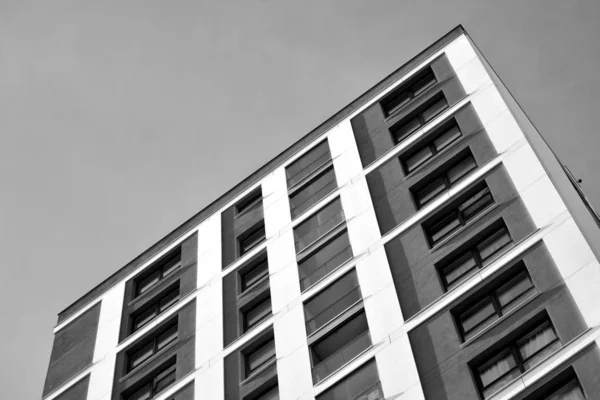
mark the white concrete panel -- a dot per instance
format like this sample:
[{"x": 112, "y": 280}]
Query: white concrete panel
[
  {"x": 290, "y": 331},
  {"x": 356, "y": 199},
  {"x": 415, "y": 392},
  {"x": 584, "y": 287},
  {"x": 542, "y": 202},
  {"x": 209, "y": 266},
  {"x": 397, "y": 369},
  {"x": 281, "y": 252},
  {"x": 101, "y": 379},
  {"x": 285, "y": 287},
  {"x": 363, "y": 231},
  {"x": 523, "y": 167},
  {"x": 209, "y": 304},
  {"x": 209, "y": 234},
  {"x": 473, "y": 76},
  {"x": 383, "y": 312},
  {"x": 210, "y": 382},
  {"x": 346, "y": 159},
  {"x": 568, "y": 248},
  {"x": 209, "y": 322},
  {"x": 374, "y": 272},
  {"x": 488, "y": 104},
  {"x": 459, "y": 52},
  {"x": 503, "y": 131},
  {"x": 294, "y": 375},
  {"x": 209, "y": 250},
  {"x": 275, "y": 202}
]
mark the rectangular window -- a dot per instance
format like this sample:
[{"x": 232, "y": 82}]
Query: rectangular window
[
  {"x": 319, "y": 224},
  {"x": 425, "y": 113},
  {"x": 408, "y": 91},
  {"x": 468, "y": 207},
  {"x": 340, "y": 346},
  {"x": 501, "y": 299},
  {"x": 270, "y": 394},
  {"x": 567, "y": 391},
  {"x": 324, "y": 260},
  {"x": 260, "y": 357},
  {"x": 310, "y": 162},
  {"x": 362, "y": 384},
  {"x": 142, "y": 353},
  {"x": 443, "y": 179},
  {"x": 165, "y": 301},
  {"x": 331, "y": 302},
  {"x": 254, "y": 275},
  {"x": 459, "y": 267},
  {"x": 163, "y": 378},
  {"x": 439, "y": 140},
  {"x": 256, "y": 314},
  {"x": 162, "y": 270},
  {"x": 517, "y": 357},
  {"x": 252, "y": 201},
  {"x": 304, "y": 196},
  {"x": 251, "y": 239}
]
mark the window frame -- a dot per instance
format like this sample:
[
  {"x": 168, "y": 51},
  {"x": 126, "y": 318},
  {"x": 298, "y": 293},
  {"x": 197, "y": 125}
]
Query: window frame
[
  {"x": 418, "y": 115},
  {"x": 241, "y": 239},
  {"x": 156, "y": 306},
  {"x": 249, "y": 372},
  {"x": 246, "y": 327},
  {"x": 154, "y": 342},
  {"x": 249, "y": 203},
  {"x": 170, "y": 367},
  {"x": 410, "y": 88},
  {"x": 164, "y": 268}
]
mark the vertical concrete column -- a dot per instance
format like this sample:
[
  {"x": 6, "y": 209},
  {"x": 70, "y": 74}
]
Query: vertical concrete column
[
  {"x": 107, "y": 339},
  {"x": 209, "y": 311},
  {"x": 293, "y": 363}
]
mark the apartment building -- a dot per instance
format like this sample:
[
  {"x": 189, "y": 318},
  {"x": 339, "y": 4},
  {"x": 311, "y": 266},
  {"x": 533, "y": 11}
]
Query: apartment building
[{"x": 422, "y": 243}]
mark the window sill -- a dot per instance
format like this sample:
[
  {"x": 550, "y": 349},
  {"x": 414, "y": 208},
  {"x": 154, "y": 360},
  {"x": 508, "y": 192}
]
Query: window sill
[
  {"x": 128, "y": 375},
  {"x": 488, "y": 328},
  {"x": 428, "y": 91},
  {"x": 260, "y": 370},
  {"x": 316, "y": 244},
  {"x": 436, "y": 157},
  {"x": 337, "y": 320},
  {"x": 157, "y": 287},
  {"x": 344, "y": 365},
  {"x": 321, "y": 168}
]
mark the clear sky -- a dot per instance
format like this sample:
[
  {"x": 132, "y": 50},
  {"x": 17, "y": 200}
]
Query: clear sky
[{"x": 121, "y": 119}]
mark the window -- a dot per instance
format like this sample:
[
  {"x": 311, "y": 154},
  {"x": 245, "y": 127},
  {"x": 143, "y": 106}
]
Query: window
[
  {"x": 165, "y": 267},
  {"x": 252, "y": 238},
  {"x": 252, "y": 201},
  {"x": 442, "y": 180},
  {"x": 501, "y": 299},
  {"x": 488, "y": 244},
  {"x": 449, "y": 221},
  {"x": 571, "y": 390},
  {"x": 319, "y": 224},
  {"x": 331, "y": 302},
  {"x": 159, "y": 382},
  {"x": 324, "y": 259},
  {"x": 165, "y": 301},
  {"x": 259, "y": 357},
  {"x": 439, "y": 140},
  {"x": 256, "y": 314},
  {"x": 517, "y": 357},
  {"x": 318, "y": 187},
  {"x": 256, "y": 274},
  {"x": 407, "y": 92},
  {"x": 140, "y": 354},
  {"x": 270, "y": 394},
  {"x": 307, "y": 164},
  {"x": 362, "y": 384},
  {"x": 339, "y": 346},
  {"x": 425, "y": 113}
]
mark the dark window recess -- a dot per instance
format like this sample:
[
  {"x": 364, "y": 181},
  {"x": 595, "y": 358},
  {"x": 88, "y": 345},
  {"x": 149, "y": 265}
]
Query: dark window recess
[
  {"x": 340, "y": 346},
  {"x": 318, "y": 225},
  {"x": 165, "y": 267},
  {"x": 256, "y": 313},
  {"x": 165, "y": 301},
  {"x": 571, "y": 390},
  {"x": 362, "y": 384},
  {"x": 140, "y": 354},
  {"x": 252, "y": 238},
  {"x": 430, "y": 147},
  {"x": 318, "y": 187},
  {"x": 516, "y": 358},
  {"x": 449, "y": 221},
  {"x": 252, "y": 201},
  {"x": 254, "y": 275},
  {"x": 442, "y": 180},
  {"x": 160, "y": 380},
  {"x": 498, "y": 302},
  {"x": 408, "y": 91},
  {"x": 323, "y": 260},
  {"x": 259, "y": 357},
  {"x": 332, "y": 301},
  {"x": 459, "y": 267},
  {"x": 270, "y": 394},
  {"x": 307, "y": 164},
  {"x": 425, "y": 113}
]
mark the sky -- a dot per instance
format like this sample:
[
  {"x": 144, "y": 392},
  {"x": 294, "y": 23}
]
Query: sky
[{"x": 119, "y": 120}]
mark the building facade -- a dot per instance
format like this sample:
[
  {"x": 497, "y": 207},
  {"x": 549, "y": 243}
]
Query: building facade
[{"x": 423, "y": 243}]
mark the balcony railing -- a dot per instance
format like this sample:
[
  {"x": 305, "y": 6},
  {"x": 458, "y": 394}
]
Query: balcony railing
[
  {"x": 315, "y": 233},
  {"x": 372, "y": 393},
  {"x": 335, "y": 309},
  {"x": 341, "y": 357}
]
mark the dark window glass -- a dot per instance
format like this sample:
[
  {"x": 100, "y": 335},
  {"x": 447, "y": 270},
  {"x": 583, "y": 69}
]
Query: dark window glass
[
  {"x": 270, "y": 394},
  {"x": 441, "y": 180},
  {"x": 307, "y": 164},
  {"x": 305, "y": 196},
  {"x": 430, "y": 147},
  {"x": 331, "y": 302},
  {"x": 444, "y": 224},
  {"x": 255, "y": 275},
  {"x": 498, "y": 302},
  {"x": 152, "y": 346},
  {"x": 252, "y": 201},
  {"x": 460, "y": 266},
  {"x": 159, "y": 381},
  {"x": 570, "y": 391},
  {"x": 324, "y": 260},
  {"x": 362, "y": 384},
  {"x": 318, "y": 225},
  {"x": 257, "y": 314},
  {"x": 165, "y": 267},
  {"x": 252, "y": 239},
  {"x": 425, "y": 113},
  {"x": 339, "y": 347},
  {"x": 408, "y": 91},
  {"x": 168, "y": 299},
  {"x": 517, "y": 357},
  {"x": 260, "y": 357}
]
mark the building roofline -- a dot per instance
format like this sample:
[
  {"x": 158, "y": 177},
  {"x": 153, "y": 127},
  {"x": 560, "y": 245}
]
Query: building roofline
[{"x": 259, "y": 174}]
